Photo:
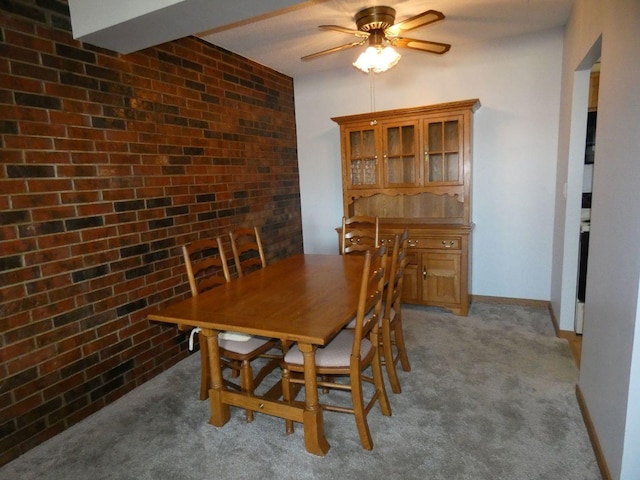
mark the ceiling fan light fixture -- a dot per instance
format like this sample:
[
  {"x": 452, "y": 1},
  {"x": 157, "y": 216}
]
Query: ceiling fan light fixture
[
  {"x": 376, "y": 25},
  {"x": 377, "y": 59}
]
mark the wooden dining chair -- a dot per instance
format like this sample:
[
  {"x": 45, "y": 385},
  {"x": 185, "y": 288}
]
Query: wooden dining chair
[
  {"x": 207, "y": 268},
  {"x": 392, "y": 338},
  {"x": 349, "y": 354},
  {"x": 247, "y": 250},
  {"x": 359, "y": 234}
]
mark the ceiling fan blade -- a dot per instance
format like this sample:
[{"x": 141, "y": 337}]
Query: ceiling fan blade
[
  {"x": 332, "y": 50},
  {"x": 424, "y": 18},
  {"x": 349, "y": 31},
  {"x": 422, "y": 45}
]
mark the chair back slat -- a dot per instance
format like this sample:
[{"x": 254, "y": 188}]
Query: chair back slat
[
  {"x": 247, "y": 250},
  {"x": 399, "y": 261},
  {"x": 206, "y": 265},
  {"x": 359, "y": 234},
  {"x": 370, "y": 300}
]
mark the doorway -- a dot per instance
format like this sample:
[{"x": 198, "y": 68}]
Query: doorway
[
  {"x": 569, "y": 219},
  {"x": 587, "y": 189}
]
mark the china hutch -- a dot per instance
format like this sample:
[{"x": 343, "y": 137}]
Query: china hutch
[{"x": 412, "y": 167}]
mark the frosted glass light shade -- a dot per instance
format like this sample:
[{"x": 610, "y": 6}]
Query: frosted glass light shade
[{"x": 377, "y": 59}]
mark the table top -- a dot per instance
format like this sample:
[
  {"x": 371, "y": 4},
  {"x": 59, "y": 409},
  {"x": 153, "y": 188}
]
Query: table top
[{"x": 303, "y": 298}]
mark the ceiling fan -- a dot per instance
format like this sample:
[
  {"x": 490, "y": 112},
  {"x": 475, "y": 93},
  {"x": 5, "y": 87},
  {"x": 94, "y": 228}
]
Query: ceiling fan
[{"x": 376, "y": 25}]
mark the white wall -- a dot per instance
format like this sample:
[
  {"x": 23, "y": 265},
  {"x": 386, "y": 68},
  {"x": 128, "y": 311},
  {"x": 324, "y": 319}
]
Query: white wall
[
  {"x": 610, "y": 369},
  {"x": 514, "y": 148}
]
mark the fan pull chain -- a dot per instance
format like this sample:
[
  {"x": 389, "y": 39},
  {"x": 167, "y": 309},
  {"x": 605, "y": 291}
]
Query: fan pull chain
[{"x": 372, "y": 90}]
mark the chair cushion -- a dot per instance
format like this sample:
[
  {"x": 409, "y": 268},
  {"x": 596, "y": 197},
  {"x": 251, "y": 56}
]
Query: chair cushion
[
  {"x": 242, "y": 347},
  {"x": 336, "y": 354},
  {"x": 236, "y": 336}
]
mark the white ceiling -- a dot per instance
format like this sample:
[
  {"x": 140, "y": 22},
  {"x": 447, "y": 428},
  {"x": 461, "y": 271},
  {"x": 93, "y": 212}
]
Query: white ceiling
[
  {"x": 276, "y": 33},
  {"x": 279, "y": 39}
]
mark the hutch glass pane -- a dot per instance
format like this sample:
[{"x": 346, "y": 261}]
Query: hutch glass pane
[
  {"x": 369, "y": 144},
  {"x": 451, "y": 136},
  {"x": 435, "y": 137},
  {"x": 435, "y": 168},
  {"x": 408, "y": 142},
  {"x": 452, "y": 166},
  {"x": 393, "y": 141},
  {"x": 355, "y": 144}
]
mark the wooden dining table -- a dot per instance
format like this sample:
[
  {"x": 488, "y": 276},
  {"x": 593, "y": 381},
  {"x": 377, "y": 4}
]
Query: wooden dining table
[{"x": 306, "y": 299}]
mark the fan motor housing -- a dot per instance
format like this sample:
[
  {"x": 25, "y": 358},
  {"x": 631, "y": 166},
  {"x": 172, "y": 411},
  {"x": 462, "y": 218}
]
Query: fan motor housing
[{"x": 375, "y": 18}]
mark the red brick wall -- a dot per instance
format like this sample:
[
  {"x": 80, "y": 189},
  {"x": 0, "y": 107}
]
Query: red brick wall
[{"x": 108, "y": 164}]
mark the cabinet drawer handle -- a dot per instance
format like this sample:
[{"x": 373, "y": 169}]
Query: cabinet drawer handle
[
  {"x": 424, "y": 272},
  {"x": 448, "y": 244},
  {"x": 413, "y": 243}
]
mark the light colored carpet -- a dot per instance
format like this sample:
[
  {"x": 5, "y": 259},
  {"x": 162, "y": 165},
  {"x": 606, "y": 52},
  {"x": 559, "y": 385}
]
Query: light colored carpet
[{"x": 490, "y": 396}]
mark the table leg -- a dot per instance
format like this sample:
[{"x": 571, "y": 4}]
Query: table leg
[
  {"x": 313, "y": 421},
  {"x": 220, "y": 412}
]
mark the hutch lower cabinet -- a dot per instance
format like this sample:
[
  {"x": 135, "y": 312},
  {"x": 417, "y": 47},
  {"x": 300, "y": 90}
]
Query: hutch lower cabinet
[{"x": 412, "y": 167}]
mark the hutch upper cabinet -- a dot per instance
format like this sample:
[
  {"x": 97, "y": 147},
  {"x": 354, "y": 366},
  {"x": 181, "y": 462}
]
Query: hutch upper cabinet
[{"x": 413, "y": 167}]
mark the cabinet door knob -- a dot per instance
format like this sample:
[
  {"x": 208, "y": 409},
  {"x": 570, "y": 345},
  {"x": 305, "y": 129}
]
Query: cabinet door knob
[{"x": 424, "y": 272}]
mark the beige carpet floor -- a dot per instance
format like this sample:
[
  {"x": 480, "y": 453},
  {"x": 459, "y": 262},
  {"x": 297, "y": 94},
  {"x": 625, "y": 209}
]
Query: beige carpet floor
[{"x": 490, "y": 396}]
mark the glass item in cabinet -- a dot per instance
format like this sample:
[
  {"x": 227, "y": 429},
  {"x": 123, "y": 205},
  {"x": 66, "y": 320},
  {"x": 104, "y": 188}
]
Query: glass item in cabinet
[
  {"x": 362, "y": 158},
  {"x": 356, "y": 172}
]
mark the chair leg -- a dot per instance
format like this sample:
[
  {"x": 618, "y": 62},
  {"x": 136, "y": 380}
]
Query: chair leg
[
  {"x": 246, "y": 384},
  {"x": 204, "y": 371},
  {"x": 359, "y": 413},
  {"x": 378, "y": 381},
  {"x": 286, "y": 396},
  {"x": 402, "y": 350},
  {"x": 387, "y": 355}
]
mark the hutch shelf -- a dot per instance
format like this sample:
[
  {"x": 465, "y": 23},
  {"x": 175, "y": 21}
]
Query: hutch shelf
[{"x": 412, "y": 167}]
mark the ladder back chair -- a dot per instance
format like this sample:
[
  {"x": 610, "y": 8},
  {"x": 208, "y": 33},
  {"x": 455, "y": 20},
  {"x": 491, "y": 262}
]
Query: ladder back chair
[
  {"x": 359, "y": 234},
  {"x": 392, "y": 342},
  {"x": 349, "y": 354},
  {"x": 207, "y": 268},
  {"x": 248, "y": 254}
]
